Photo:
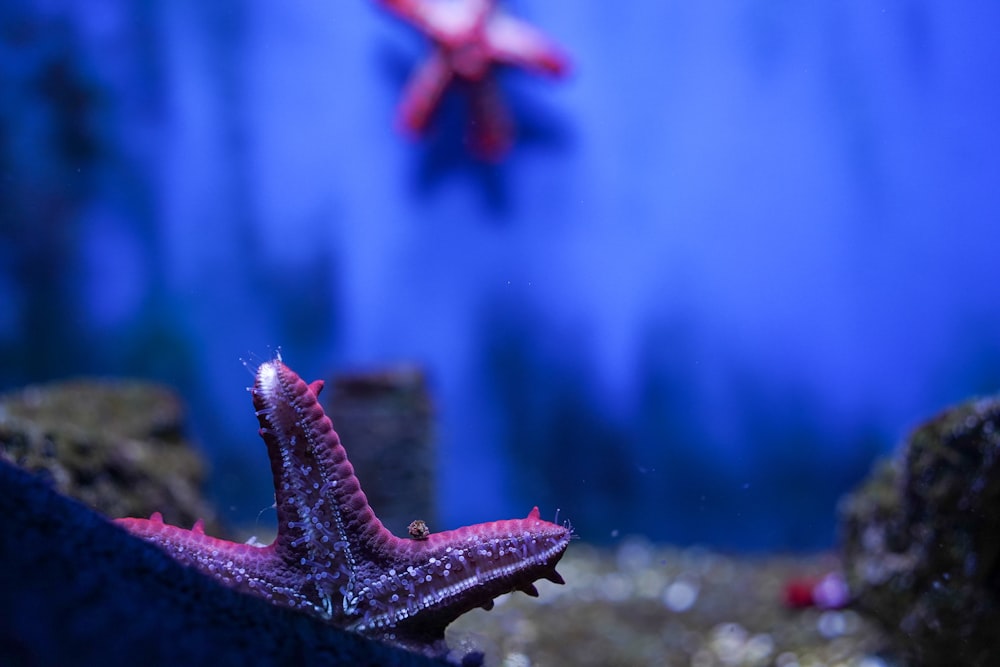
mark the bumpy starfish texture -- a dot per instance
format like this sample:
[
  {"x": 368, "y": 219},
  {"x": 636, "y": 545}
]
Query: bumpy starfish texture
[
  {"x": 332, "y": 556},
  {"x": 471, "y": 38}
]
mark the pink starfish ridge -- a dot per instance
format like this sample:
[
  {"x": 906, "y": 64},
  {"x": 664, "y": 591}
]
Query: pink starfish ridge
[
  {"x": 471, "y": 38},
  {"x": 332, "y": 556}
]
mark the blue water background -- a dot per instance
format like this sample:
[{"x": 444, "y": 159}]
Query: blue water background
[{"x": 738, "y": 254}]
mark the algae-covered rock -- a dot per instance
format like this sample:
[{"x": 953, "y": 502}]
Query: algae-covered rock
[
  {"x": 115, "y": 445},
  {"x": 921, "y": 540}
]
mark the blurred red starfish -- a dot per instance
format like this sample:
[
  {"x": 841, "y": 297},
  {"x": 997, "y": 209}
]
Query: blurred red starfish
[{"x": 471, "y": 38}]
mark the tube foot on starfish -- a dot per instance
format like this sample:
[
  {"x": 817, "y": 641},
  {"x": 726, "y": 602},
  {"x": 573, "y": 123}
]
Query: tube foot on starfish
[{"x": 334, "y": 559}]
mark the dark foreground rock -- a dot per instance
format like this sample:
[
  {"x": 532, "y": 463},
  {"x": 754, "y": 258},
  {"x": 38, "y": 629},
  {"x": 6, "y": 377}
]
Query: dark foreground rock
[
  {"x": 921, "y": 540},
  {"x": 76, "y": 591}
]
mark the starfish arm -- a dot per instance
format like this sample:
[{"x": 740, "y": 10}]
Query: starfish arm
[
  {"x": 424, "y": 92},
  {"x": 490, "y": 133},
  {"x": 429, "y": 583},
  {"x": 408, "y": 10},
  {"x": 321, "y": 507},
  {"x": 514, "y": 42},
  {"x": 442, "y": 22},
  {"x": 247, "y": 568}
]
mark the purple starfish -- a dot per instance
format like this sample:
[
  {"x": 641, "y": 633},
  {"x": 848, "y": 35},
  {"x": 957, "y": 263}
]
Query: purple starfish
[{"x": 333, "y": 558}]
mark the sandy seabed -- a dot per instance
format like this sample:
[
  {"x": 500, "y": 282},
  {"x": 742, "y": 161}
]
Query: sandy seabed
[{"x": 640, "y": 604}]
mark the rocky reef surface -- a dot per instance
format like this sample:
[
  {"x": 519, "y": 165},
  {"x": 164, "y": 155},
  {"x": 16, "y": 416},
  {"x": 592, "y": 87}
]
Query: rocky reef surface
[
  {"x": 921, "y": 540},
  {"x": 118, "y": 446}
]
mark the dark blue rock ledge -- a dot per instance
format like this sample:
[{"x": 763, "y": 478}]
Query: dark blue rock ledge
[{"x": 75, "y": 590}]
